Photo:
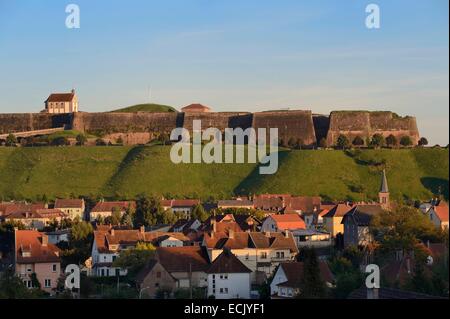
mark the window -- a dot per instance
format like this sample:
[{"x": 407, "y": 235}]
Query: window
[
  {"x": 157, "y": 285},
  {"x": 29, "y": 268},
  {"x": 114, "y": 258},
  {"x": 54, "y": 267},
  {"x": 263, "y": 255},
  {"x": 280, "y": 254},
  {"x": 47, "y": 283}
]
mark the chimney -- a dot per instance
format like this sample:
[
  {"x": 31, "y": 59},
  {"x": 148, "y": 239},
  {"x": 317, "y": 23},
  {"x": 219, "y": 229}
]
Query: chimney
[
  {"x": 112, "y": 231},
  {"x": 231, "y": 234},
  {"x": 214, "y": 225},
  {"x": 373, "y": 293},
  {"x": 44, "y": 240},
  {"x": 286, "y": 233},
  {"x": 142, "y": 229},
  {"x": 73, "y": 91},
  {"x": 268, "y": 234}
]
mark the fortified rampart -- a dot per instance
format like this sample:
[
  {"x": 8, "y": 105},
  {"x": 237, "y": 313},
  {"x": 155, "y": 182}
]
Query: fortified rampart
[
  {"x": 365, "y": 124},
  {"x": 109, "y": 123},
  {"x": 299, "y": 126},
  {"x": 21, "y": 122},
  {"x": 292, "y": 125}
]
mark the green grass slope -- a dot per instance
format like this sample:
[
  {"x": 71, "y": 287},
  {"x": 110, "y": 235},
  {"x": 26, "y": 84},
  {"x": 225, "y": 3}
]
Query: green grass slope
[
  {"x": 125, "y": 172},
  {"x": 150, "y": 108}
]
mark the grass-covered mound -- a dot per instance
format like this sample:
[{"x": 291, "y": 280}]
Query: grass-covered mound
[
  {"x": 150, "y": 108},
  {"x": 125, "y": 172}
]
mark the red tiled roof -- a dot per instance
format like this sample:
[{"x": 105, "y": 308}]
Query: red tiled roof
[
  {"x": 10, "y": 208},
  {"x": 227, "y": 263},
  {"x": 245, "y": 240},
  {"x": 31, "y": 241},
  {"x": 339, "y": 210},
  {"x": 294, "y": 273},
  {"x": 105, "y": 238},
  {"x": 196, "y": 107},
  {"x": 180, "y": 202},
  {"x": 288, "y": 221},
  {"x": 183, "y": 259},
  {"x": 60, "y": 97},
  {"x": 442, "y": 211},
  {"x": 38, "y": 213},
  {"x": 69, "y": 203},
  {"x": 109, "y": 206},
  {"x": 304, "y": 203}
]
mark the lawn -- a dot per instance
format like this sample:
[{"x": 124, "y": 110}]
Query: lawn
[{"x": 124, "y": 172}]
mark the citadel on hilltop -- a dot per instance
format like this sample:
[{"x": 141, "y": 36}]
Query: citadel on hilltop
[{"x": 301, "y": 126}]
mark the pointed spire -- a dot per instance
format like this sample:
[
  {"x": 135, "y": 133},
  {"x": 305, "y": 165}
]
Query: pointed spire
[{"x": 384, "y": 184}]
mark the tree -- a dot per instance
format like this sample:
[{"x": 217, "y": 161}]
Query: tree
[
  {"x": 343, "y": 142},
  {"x": 12, "y": 287},
  {"x": 79, "y": 248},
  {"x": 35, "y": 282},
  {"x": 11, "y": 140},
  {"x": 312, "y": 286},
  {"x": 116, "y": 216},
  {"x": 402, "y": 229},
  {"x": 377, "y": 141},
  {"x": 135, "y": 259},
  {"x": 406, "y": 141},
  {"x": 168, "y": 217},
  {"x": 127, "y": 220},
  {"x": 358, "y": 141},
  {"x": 423, "y": 141},
  {"x": 323, "y": 142},
  {"x": 81, "y": 139},
  {"x": 199, "y": 213},
  {"x": 391, "y": 141},
  {"x": 148, "y": 211}
]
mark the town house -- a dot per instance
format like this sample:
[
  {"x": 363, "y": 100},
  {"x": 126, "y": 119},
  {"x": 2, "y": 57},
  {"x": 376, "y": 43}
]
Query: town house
[{"x": 35, "y": 255}]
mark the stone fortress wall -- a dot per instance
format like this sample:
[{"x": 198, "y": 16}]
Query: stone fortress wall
[
  {"x": 298, "y": 125},
  {"x": 365, "y": 124}
]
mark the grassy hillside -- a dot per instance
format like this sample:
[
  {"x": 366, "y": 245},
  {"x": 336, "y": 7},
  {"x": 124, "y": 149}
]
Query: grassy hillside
[
  {"x": 125, "y": 172},
  {"x": 151, "y": 108}
]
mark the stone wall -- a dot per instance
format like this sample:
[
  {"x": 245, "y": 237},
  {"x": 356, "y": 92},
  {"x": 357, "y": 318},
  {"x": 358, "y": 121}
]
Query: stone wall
[
  {"x": 109, "y": 123},
  {"x": 365, "y": 124},
  {"x": 297, "y": 125},
  {"x": 20, "y": 122}
]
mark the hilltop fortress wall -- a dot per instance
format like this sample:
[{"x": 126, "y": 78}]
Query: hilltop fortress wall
[
  {"x": 365, "y": 124},
  {"x": 21, "y": 122},
  {"x": 297, "y": 125}
]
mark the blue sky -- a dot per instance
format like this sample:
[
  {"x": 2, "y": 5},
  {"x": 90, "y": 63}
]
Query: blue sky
[{"x": 246, "y": 55}]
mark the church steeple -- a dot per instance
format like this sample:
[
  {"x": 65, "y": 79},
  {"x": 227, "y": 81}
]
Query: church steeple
[{"x": 383, "y": 195}]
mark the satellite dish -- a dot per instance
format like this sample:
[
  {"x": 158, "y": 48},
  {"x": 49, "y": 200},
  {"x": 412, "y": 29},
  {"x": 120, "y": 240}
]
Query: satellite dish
[{"x": 430, "y": 261}]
